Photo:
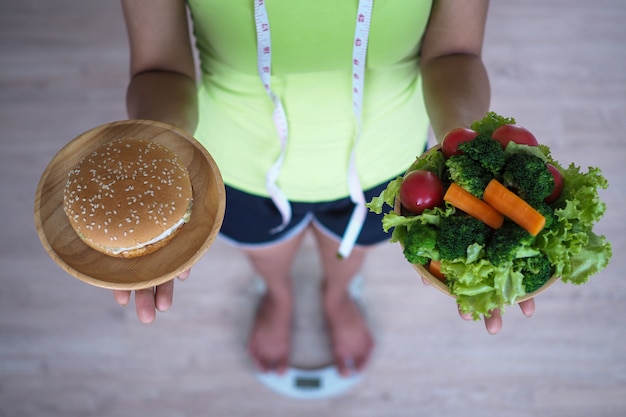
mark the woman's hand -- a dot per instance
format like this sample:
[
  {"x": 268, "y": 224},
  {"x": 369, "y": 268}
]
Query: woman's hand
[
  {"x": 148, "y": 301},
  {"x": 494, "y": 322}
]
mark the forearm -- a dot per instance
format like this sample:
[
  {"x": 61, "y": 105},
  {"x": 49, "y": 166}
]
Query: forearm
[
  {"x": 163, "y": 96},
  {"x": 456, "y": 91}
]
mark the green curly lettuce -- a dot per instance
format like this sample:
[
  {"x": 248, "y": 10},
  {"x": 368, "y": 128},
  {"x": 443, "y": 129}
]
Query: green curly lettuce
[
  {"x": 491, "y": 122},
  {"x": 572, "y": 246}
]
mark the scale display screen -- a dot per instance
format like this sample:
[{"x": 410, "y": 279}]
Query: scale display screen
[{"x": 308, "y": 383}]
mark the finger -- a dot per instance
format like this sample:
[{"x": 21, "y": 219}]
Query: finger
[
  {"x": 164, "y": 295},
  {"x": 528, "y": 307},
  {"x": 122, "y": 297},
  {"x": 425, "y": 281},
  {"x": 184, "y": 275},
  {"x": 144, "y": 303},
  {"x": 493, "y": 324},
  {"x": 465, "y": 316}
]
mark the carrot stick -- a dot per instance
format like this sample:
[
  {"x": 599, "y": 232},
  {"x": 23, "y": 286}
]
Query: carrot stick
[
  {"x": 514, "y": 207},
  {"x": 473, "y": 206},
  {"x": 434, "y": 267}
]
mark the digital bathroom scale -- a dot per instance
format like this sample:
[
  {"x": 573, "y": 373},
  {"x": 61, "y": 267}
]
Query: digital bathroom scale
[{"x": 309, "y": 383}]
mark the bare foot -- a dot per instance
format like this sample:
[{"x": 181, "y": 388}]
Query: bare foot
[
  {"x": 270, "y": 338},
  {"x": 352, "y": 341}
]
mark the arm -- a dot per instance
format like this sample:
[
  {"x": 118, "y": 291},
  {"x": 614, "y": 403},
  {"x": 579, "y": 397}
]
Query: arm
[
  {"x": 162, "y": 87},
  {"x": 162, "y": 70},
  {"x": 456, "y": 84}
]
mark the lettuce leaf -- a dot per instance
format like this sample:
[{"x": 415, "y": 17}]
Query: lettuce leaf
[
  {"x": 479, "y": 286},
  {"x": 491, "y": 122},
  {"x": 387, "y": 196}
]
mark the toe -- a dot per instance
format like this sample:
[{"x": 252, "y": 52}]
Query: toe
[
  {"x": 362, "y": 361},
  {"x": 348, "y": 366},
  {"x": 253, "y": 357},
  {"x": 282, "y": 366},
  {"x": 257, "y": 360},
  {"x": 345, "y": 366}
]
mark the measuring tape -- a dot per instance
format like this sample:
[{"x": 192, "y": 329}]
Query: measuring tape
[{"x": 264, "y": 67}]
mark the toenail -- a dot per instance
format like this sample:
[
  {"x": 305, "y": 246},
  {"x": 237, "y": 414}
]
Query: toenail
[{"x": 350, "y": 366}]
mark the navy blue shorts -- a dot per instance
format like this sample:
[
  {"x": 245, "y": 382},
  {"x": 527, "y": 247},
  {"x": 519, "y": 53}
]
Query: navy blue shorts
[{"x": 248, "y": 219}]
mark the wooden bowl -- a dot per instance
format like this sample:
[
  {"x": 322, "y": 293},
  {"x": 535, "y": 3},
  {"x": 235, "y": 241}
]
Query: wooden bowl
[
  {"x": 185, "y": 249},
  {"x": 442, "y": 286}
]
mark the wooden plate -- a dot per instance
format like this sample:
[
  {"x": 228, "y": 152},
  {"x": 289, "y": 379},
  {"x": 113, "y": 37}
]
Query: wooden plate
[
  {"x": 187, "y": 247},
  {"x": 442, "y": 286}
]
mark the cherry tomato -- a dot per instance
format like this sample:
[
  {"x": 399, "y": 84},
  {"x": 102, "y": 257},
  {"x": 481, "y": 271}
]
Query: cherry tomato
[
  {"x": 516, "y": 133},
  {"x": 421, "y": 190},
  {"x": 558, "y": 184},
  {"x": 452, "y": 140}
]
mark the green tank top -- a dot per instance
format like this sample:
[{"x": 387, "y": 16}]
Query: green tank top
[{"x": 311, "y": 73}]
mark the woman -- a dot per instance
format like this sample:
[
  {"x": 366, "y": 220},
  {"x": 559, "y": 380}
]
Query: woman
[{"x": 299, "y": 127}]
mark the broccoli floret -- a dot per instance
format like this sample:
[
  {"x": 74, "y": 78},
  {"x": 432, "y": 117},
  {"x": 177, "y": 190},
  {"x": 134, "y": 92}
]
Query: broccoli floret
[
  {"x": 469, "y": 174},
  {"x": 528, "y": 176},
  {"x": 457, "y": 232},
  {"x": 419, "y": 244},
  {"x": 507, "y": 242},
  {"x": 536, "y": 270},
  {"x": 486, "y": 151}
]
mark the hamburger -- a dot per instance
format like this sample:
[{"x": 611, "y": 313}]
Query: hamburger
[{"x": 128, "y": 198}]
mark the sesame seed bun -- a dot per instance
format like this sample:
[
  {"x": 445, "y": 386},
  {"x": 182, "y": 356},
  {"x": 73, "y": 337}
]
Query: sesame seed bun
[{"x": 128, "y": 198}]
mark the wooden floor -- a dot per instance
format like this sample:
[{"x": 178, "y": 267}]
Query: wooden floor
[{"x": 67, "y": 350}]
